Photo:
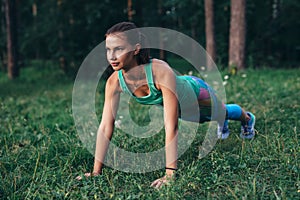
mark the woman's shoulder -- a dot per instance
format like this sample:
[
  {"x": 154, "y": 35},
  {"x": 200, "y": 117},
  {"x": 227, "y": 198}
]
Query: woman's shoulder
[
  {"x": 160, "y": 66},
  {"x": 162, "y": 72},
  {"x": 158, "y": 62},
  {"x": 113, "y": 82}
]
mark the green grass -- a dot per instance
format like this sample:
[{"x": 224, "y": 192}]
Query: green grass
[{"x": 41, "y": 153}]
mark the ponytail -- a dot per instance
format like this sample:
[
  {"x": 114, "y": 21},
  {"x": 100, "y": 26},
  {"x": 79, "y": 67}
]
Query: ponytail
[{"x": 143, "y": 56}]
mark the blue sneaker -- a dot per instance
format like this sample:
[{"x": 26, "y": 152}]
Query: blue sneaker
[
  {"x": 247, "y": 130},
  {"x": 223, "y": 131}
]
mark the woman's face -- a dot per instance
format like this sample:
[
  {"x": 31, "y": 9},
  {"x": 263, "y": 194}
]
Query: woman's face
[{"x": 119, "y": 53}]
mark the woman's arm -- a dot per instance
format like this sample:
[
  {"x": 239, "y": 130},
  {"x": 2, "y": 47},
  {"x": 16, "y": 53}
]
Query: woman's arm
[
  {"x": 106, "y": 128},
  {"x": 167, "y": 84}
]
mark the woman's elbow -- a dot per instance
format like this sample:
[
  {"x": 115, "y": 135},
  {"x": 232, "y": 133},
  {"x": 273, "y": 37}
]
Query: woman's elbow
[
  {"x": 171, "y": 128},
  {"x": 106, "y": 130}
]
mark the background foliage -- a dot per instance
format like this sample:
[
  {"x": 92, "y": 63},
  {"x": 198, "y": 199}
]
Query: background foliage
[{"x": 69, "y": 29}]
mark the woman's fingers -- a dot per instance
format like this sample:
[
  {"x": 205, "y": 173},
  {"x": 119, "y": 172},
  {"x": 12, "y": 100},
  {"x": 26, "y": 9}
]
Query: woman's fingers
[
  {"x": 79, "y": 178},
  {"x": 155, "y": 183},
  {"x": 159, "y": 182},
  {"x": 87, "y": 174}
]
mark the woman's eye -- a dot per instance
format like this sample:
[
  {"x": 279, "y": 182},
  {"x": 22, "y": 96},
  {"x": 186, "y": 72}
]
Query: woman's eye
[{"x": 119, "y": 49}]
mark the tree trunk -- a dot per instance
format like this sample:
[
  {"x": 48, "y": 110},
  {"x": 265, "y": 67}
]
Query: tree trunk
[
  {"x": 34, "y": 15},
  {"x": 237, "y": 36},
  {"x": 3, "y": 33},
  {"x": 129, "y": 10},
  {"x": 209, "y": 32},
  {"x": 12, "y": 41}
]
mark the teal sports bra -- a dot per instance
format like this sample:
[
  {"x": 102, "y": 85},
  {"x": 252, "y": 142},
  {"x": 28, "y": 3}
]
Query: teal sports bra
[
  {"x": 185, "y": 87},
  {"x": 155, "y": 95}
]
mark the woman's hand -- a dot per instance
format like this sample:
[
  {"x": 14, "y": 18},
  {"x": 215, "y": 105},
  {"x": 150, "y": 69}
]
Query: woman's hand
[
  {"x": 87, "y": 175},
  {"x": 162, "y": 181}
]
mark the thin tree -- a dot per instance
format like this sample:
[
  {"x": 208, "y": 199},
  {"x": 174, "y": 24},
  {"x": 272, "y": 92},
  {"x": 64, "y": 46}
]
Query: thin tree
[
  {"x": 3, "y": 35},
  {"x": 237, "y": 36},
  {"x": 11, "y": 37},
  {"x": 129, "y": 10},
  {"x": 209, "y": 32}
]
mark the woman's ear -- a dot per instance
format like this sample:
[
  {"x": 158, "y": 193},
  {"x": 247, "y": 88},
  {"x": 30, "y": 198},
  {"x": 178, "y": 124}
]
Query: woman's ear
[{"x": 137, "y": 49}]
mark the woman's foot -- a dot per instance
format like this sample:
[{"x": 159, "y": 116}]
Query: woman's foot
[
  {"x": 223, "y": 131},
  {"x": 247, "y": 129}
]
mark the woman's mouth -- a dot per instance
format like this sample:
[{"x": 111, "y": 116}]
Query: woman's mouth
[{"x": 114, "y": 64}]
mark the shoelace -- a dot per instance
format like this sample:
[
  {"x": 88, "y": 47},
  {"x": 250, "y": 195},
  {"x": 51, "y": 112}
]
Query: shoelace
[{"x": 246, "y": 132}]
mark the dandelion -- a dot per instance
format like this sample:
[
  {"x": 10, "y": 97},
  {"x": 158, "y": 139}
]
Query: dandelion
[
  {"x": 225, "y": 83},
  {"x": 190, "y": 73},
  {"x": 202, "y": 68},
  {"x": 226, "y": 77},
  {"x": 244, "y": 75}
]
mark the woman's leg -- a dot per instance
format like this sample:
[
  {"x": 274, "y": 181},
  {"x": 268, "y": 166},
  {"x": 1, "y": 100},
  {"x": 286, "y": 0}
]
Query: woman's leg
[
  {"x": 247, "y": 119},
  {"x": 235, "y": 112},
  {"x": 213, "y": 109}
]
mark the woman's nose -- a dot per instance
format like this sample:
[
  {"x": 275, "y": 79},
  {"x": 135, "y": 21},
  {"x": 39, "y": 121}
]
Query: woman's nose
[{"x": 111, "y": 55}]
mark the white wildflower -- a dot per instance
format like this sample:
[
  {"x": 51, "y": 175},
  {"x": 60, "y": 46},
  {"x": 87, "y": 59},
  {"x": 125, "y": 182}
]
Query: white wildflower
[{"x": 118, "y": 123}]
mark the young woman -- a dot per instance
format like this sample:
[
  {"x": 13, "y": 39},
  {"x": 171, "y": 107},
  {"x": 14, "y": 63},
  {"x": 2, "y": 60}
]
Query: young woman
[{"x": 152, "y": 81}]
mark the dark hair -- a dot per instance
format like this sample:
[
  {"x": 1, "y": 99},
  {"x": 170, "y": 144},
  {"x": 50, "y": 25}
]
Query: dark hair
[{"x": 134, "y": 36}]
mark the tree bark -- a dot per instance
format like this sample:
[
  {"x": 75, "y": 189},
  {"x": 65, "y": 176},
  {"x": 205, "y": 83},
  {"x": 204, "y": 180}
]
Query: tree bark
[
  {"x": 3, "y": 33},
  {"x": 210, "y": 33},
  {"x": 237, "y": 36},
  {"x": 11, "y": 37},
  {"x": 129, "y": 10}
]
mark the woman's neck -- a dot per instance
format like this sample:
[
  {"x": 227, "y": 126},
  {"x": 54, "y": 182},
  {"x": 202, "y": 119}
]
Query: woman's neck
[
  {"x": 129, "y": 66},
  {"x": 134, "y": 73}
]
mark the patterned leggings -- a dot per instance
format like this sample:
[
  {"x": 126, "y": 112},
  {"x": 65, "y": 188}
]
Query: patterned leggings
[{"x": 212, "y": 108}]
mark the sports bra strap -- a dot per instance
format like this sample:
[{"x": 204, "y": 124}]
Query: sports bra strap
[
  {"x": 148, "y": 70},
  {"x": 122, "y": 82}
]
